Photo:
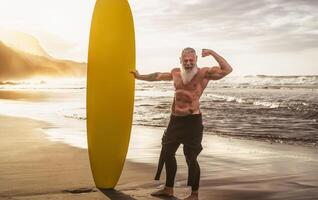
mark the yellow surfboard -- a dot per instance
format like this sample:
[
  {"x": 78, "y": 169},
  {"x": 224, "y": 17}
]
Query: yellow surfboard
[{"x": 110, "y": 89}]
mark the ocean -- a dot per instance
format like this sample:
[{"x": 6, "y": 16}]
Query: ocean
[{"x": 281, "y": 109}]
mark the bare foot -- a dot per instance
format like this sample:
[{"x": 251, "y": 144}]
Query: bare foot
[
  {"x": 166, "y": 191},
  {"x": 192, "y": 196}
]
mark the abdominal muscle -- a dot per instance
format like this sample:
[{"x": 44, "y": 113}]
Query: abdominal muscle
[{"x": 185, "y": 103}]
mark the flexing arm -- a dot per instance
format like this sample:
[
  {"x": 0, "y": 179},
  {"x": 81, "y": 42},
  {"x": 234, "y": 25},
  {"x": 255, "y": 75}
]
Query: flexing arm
[
  {"x": 217, "y": 72},
  {"x": 157, "y": 76}
]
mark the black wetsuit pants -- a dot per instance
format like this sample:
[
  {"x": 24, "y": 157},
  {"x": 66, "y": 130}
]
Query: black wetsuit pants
[{"x": 186, "y": 130}]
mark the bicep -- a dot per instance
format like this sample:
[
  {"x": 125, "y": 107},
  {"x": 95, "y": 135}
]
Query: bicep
[{"x": 215, "y": 73}]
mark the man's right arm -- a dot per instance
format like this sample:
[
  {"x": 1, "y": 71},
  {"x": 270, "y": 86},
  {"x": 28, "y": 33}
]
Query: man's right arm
[{"x": 157, "y": 76}]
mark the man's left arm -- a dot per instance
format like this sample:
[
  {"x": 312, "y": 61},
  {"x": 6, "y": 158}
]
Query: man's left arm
[{"x": 217, "y": 72}]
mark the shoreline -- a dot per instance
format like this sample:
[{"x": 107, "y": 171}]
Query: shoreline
[{"x": 257, "y": 138}]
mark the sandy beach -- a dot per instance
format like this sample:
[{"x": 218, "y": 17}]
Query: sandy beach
[{"x": 33, "y": 167}]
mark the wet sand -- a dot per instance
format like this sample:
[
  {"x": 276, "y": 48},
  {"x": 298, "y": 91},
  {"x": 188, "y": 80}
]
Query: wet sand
[{"x": 33, "y": 167}]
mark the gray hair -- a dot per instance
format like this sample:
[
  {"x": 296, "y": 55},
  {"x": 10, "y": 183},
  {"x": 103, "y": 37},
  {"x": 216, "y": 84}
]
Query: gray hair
[{"x": 188, "y": 50}]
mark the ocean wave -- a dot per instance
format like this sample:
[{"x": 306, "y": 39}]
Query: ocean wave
[
  {"x": 268, "y": 82},
  {"x": 277, "y": 103},
  {"x": 45, "y": 84},
  {"x": 75, "y": 116},
  {"x": 267, "y": 104},
  {"x": 10, "y": 83},
  {"x": 220, "y": 98},
  {"x": 217, "y": 97}
]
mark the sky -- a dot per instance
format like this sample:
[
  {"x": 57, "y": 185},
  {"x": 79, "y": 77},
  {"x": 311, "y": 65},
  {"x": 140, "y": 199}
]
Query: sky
[{"x": 273, "y": 37}]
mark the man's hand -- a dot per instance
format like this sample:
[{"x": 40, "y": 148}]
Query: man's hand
[
  {"x": 135, "y": 73},
  {"x": 206, "y": 52}
]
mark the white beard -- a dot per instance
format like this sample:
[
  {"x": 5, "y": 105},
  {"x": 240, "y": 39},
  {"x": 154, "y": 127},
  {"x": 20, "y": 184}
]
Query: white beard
[{"x": 188, "y": 75}]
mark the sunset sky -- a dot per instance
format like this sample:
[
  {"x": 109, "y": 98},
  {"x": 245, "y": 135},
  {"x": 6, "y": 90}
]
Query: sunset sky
[{"x": 278, "y": 37}]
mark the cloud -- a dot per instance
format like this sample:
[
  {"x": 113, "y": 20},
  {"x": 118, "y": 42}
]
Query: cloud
[{"x": 264, "y": 25}]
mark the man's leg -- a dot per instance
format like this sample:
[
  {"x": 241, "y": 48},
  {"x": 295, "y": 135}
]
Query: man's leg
[
  {"x": 169, "y": 151},
  {"x": 193, "y": 169},
  {"x": 170, "y": 162}
]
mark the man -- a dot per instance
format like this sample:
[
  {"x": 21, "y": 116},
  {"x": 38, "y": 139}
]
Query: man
[{"x": 185, "y": 125}]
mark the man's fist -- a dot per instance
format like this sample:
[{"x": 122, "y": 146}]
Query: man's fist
[
  {"x": 206, "y": 52},
  {"x": 135, "y": 73}
]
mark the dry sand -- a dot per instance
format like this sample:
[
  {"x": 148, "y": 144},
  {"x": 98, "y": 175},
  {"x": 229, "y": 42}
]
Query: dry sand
[{"x": 32, "y": 167}]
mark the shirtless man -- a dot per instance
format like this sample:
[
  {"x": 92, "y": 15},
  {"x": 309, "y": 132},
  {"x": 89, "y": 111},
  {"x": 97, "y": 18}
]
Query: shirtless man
[{"x": 185, "y": 125}]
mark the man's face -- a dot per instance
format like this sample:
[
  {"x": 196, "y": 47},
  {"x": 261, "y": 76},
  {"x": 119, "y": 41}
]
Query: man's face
[{"x": 188, "y": 61}]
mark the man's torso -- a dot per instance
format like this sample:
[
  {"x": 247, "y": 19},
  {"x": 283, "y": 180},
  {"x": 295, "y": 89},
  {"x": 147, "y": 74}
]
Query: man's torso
[{"x": 187, "y": 96}]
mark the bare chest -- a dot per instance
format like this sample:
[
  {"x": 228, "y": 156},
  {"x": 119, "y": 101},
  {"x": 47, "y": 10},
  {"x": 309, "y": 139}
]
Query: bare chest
[{"x": 194, "y": 86}]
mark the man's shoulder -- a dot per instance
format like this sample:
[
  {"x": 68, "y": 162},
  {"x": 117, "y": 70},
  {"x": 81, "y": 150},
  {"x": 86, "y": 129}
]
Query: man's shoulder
[{"x": 175, "y": 69}]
